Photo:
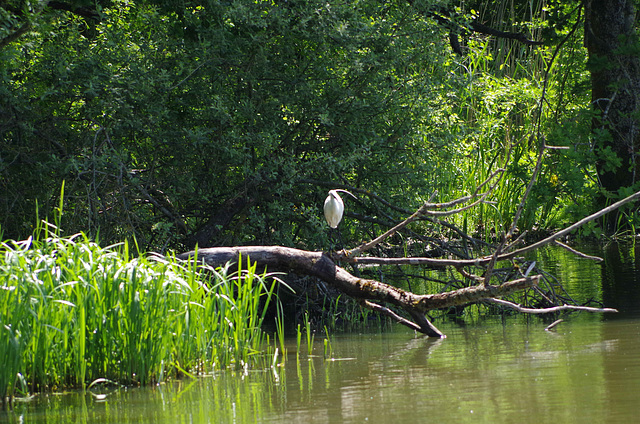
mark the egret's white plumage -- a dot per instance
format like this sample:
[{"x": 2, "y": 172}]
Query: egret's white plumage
[{"x": 334, "y": 207}]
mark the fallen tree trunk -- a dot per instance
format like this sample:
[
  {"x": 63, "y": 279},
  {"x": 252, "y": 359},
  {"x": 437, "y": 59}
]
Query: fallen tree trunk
[
  {"x": 375, "y": 295},
  {"x": 319, "y": 264}
]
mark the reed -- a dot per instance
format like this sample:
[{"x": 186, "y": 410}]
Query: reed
[
  {"x": 309, "y": 333},
  {"x": 298, "y": 342},
  {"x": 328, "y": 350},
  {"x": 280, "y": 332},
  {"x": 72, "y": 312}
]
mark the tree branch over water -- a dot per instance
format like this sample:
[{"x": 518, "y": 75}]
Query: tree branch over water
[
  {"x": 380, "y": 296},
  {"x": 548, "y": 310}
]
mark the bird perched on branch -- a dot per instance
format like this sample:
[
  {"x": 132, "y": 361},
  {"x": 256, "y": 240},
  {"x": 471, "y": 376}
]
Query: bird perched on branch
[{"x": 334, "y": 207}]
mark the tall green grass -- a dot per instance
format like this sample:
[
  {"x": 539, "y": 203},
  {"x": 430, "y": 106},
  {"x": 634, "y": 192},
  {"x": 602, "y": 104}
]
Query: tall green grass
[{"x": 72, "y": 312}]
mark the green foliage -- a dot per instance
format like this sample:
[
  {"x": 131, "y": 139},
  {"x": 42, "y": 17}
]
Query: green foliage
[
  {"x": 210, "y": 122},
  {"x": 199, "y": 104}
]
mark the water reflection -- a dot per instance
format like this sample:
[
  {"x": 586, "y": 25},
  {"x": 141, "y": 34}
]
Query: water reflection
[
  {"x": 495, "y": 370},
  {"x": 621, "y": 278}
]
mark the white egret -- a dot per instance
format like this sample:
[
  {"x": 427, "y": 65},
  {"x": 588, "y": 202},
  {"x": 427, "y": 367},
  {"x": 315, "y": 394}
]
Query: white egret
[{"x": 334, "y": 207}]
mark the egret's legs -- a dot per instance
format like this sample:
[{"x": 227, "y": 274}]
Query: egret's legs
[
  {"x": 335, "y": 239},
  {"x": 341, "y": 244}
]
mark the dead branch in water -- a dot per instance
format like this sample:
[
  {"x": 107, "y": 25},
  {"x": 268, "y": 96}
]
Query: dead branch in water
[
  {"x": 548, "y": 310},
  {"x": 319, "y": 264},
  {"x": 375, "y": 294}
]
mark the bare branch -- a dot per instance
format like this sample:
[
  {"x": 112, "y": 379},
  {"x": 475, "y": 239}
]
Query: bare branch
[
  {"x": 470, "y": 276},
  {"x": 553, "y": 324},
  {"x": 518, "y": 36},
  {"x": 577, "y": 253},
  {"x": 388, "y": 312},
  {"x": 15, "y": 35},
  {"x": 532, "y": 181},
  {"x": 492, "y": 262},
  {"x": 452, "y": 21},
  {"x": 176, "y": 219},
  {"x": 432, "y": 262},
  {"x": 425, "y": 210},
  {"x": 441, "y": 263},
  {"x": 474, "y": 294},
  {"x": 572, "y": 227},
  {"x": 548, "y": 310}
]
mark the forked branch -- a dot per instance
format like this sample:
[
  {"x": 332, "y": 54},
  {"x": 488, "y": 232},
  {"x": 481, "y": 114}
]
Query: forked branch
[
  {"x": 381, "y": 297},
  {"x": 434, "y": 209}
]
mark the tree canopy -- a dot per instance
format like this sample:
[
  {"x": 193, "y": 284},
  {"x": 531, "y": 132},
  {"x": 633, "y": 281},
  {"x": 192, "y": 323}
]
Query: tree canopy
[{"x": 225, "y": 122}]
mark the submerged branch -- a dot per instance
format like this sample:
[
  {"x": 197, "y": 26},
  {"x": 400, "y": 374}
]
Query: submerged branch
[
  {"x": 388, "y": 312},
  {"x": 553, "y": 324},
  {"x": 577, "y": 253},
  {"x": 548, "y": 310}
]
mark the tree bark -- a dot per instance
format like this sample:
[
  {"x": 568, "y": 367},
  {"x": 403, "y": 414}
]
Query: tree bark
[
  {"x": 614, "y": 64},
  {"x": 319, "y": 264}
]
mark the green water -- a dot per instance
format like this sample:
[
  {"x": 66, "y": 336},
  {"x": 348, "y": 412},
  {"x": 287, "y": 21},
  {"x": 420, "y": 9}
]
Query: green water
[{"x": 495, "y": 370}]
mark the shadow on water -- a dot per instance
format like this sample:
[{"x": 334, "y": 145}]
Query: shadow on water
[
  {"x": 621, "y": 279},
  {"x": 494, "y": 370}
]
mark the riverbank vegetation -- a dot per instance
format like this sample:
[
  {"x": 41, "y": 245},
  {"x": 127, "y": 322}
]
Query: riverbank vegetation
[{"x": 73, "y": 312}]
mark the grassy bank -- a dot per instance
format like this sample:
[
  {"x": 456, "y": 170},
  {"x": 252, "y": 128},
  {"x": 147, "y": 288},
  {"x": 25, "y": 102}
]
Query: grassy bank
[{"x": 72, "y": 312}]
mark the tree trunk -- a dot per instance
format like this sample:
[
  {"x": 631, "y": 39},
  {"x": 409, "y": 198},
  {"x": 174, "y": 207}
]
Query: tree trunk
[
  {"x": 319, "y": 264},
  {"x": 614, "y": 63}
]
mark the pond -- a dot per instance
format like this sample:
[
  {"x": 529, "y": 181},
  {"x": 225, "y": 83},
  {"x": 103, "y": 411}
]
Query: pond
[{"x": 493, "y": 370}]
